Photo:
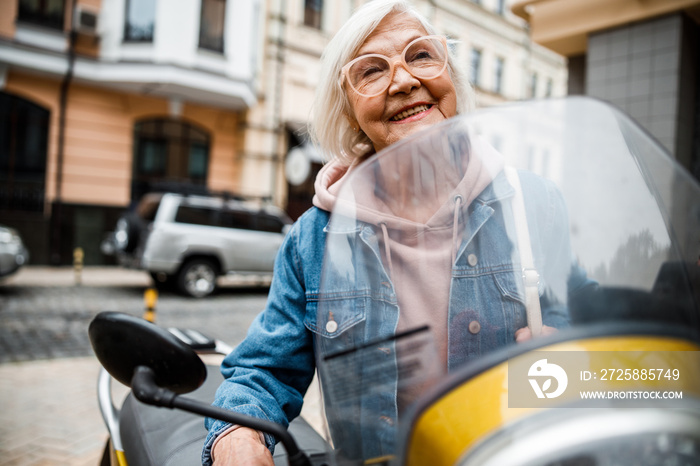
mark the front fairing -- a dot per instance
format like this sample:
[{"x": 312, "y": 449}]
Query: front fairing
[{"x": 426, "y": 279}]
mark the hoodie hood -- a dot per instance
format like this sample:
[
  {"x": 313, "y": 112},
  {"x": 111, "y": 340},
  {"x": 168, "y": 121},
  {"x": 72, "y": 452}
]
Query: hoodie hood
[
  {"x": 384, "y": 197},
  {"x": 327, "y": 184}
]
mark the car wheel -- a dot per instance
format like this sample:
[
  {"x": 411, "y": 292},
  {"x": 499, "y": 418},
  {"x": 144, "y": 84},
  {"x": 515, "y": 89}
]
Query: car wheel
[
  {"x": 197, "y": 278},
  {"x": 163, "y": 281}
]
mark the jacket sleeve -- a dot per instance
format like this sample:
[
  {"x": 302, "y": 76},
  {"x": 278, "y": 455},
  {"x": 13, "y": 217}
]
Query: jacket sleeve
[
  {"x": 267, "y": 375},
  {"x": 561, "y": 275}
]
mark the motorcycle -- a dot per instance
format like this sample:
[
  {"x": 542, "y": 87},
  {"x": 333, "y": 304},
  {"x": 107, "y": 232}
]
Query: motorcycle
[{"x": 587, "y": 243}]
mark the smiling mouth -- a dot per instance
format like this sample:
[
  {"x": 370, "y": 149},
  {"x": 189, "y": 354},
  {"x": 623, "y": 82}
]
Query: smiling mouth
[{"x": 410, "y": 112}]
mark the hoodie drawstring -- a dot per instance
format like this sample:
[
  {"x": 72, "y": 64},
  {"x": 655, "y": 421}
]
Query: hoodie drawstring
[
  {"x": 455, "y": 229},
  {"x": 455, "y": 236},
  {"x": 387, "y": 249}
]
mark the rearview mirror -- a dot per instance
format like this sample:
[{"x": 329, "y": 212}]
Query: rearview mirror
[{"x": 123, "y": 342}]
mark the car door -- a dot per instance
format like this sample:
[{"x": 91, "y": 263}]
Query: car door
[{"x": 252, "y": 239}]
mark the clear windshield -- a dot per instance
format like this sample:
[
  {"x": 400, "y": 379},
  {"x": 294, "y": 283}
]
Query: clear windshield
[{"x": 427, "y": 269}]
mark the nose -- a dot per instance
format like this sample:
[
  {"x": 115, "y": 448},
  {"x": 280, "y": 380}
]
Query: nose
[{"x": 402, "y": 80}]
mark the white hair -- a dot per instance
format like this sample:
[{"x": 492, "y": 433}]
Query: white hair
[{"x": 330, "y": 127}]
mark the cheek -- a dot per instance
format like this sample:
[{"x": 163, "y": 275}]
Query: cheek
[
  {"x": 446, "y": 94},
  {"x": 368, "y": 111}
]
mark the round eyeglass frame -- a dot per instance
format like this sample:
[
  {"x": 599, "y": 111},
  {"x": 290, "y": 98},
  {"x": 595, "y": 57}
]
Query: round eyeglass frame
[{"x": 392, "y": 65}]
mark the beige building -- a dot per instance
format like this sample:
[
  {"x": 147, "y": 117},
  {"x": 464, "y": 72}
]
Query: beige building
[
  {"x": 641, "y": 56},
  {"x": 103, "y": 100},
  {"x": 493, "y": 46}
]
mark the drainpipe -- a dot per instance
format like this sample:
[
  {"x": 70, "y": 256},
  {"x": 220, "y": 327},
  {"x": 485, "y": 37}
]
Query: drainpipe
[
  {"x": 277, "y": 108},
  {"x": 57, "y": 218}
]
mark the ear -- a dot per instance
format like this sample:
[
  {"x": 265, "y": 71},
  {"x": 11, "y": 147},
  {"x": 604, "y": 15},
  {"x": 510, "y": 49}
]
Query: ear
[{"x": 352, "y": 122}]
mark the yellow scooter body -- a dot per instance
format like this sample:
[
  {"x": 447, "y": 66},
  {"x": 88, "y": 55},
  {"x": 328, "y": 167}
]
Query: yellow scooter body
[{"x": 458, "y": 419}]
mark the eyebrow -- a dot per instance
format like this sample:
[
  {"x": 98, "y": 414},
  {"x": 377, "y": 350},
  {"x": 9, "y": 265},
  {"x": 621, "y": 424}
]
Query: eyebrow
[{"x": 370, "y": 52}]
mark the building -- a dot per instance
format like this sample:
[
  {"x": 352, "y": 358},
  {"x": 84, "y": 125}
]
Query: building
[
  {"x": 492, "y": 44},
  {"x": 103, "y": 100},
  {"x": 643, "y": 57}
]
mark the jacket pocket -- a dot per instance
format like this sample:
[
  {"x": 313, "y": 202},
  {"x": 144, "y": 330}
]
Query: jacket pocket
[
  {"x": 512, "y": 285},
  {"x": 330, "y": 315}
]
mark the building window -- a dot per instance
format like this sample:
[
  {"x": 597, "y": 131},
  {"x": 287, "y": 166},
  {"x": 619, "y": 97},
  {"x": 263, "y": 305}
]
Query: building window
[
  {"x": 550, "y": 88},
  {"x": 48, "y": 13},
  {"x": 313, "y": 11},
  {"x": 498, "y": 75},
  {"x": 211, "y": 25},
  {"x": 533, "y": 85},
  {"x": 140, "y": 20},
  {"x": 24, "y": 129},
  {"x": 168, "y": 154},
  {"x": 475, "y": 67},
  {"x": 501, "y": 7}
]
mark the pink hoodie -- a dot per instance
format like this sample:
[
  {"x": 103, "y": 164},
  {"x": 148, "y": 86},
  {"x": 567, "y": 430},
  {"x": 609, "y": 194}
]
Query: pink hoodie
[{"x": 419, "y": 243}]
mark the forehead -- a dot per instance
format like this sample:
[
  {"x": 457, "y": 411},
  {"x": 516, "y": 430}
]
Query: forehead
[{"x": 392, "y": 34}]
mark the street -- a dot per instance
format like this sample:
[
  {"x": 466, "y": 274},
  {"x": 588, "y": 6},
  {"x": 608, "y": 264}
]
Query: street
[
  {"x": 44, "y": 315},
  {"x": 48, "y": 373}
]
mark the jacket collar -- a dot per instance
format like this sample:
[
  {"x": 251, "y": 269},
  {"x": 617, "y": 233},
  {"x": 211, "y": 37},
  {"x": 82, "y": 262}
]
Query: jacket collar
[{"x": 497, "y": 190}]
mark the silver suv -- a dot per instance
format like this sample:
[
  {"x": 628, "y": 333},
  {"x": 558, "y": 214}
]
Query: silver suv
[
  {"x": 13, "y": 253},
  {"x": 189, "y": 240}
]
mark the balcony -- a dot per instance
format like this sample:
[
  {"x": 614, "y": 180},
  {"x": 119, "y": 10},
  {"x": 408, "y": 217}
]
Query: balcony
[{"x": 172, "y": 59}]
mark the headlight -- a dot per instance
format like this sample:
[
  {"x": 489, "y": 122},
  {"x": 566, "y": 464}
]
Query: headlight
[
  {"x": 595, "y": 437},
  {"x": 9, "y": 236},
  {"x": 121, "y": 233},
  {"x": 639, "y": 450}
]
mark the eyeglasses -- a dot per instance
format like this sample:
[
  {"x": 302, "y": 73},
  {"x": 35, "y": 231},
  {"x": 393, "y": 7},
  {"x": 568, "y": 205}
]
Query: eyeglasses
[{"x": 371, "y": 75}]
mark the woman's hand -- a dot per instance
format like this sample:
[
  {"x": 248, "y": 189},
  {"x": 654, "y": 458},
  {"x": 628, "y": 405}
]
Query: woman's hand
[
  {"x": 241, "y": 447},
  {"x": 524, "y": 334}
]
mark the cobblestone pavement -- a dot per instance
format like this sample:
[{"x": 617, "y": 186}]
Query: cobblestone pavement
[
  {"x": 48, "y": 375},
  {"x": 43, "y": 314}
]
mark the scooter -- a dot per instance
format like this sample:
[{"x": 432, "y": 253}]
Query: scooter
[
  {"x": 592, "y": 245},
  {"x": 159, "y": 365}
]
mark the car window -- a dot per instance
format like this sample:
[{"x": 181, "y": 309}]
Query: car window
[
  {"x": 196, "y": 216},
  {"x": 270, "y": 223},
  {"x": 147, "y": 209},
  {"x": 237, "y": 219},
  {"x": 229, "y": 219}
]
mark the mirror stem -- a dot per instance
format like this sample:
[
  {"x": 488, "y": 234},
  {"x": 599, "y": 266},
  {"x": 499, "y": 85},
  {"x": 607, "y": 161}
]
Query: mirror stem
[
  {"x": 144, "y": 387},
  {"x": 143, "y": 384}
]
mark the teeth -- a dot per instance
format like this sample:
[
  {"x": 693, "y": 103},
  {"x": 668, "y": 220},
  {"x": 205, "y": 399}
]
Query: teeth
[{"x": 410, "y": 111}]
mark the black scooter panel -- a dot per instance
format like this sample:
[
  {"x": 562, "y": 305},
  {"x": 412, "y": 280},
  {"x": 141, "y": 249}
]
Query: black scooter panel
[{"x": 154, "y": 436}]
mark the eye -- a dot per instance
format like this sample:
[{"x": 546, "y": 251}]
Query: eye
[
  {"x": 370, "y": 71},
  {"x": 420, "y": 55}
]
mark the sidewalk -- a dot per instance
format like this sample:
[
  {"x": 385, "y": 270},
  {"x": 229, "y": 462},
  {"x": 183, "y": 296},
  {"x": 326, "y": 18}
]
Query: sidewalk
[
  {"x": 48, "y": 408},
  {"x": 106, "y": 276},
  {"x": 66, "y": 276},
  {"x": 49, "y": 413}
]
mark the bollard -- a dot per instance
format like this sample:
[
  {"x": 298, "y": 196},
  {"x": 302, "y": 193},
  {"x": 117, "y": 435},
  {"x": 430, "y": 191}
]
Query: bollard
[
  {"x": 78, "y": 256},
  {"x": 150, "y": 298}
]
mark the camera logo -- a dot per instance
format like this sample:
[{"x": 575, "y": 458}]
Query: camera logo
[{"x": 544, "y": 371}]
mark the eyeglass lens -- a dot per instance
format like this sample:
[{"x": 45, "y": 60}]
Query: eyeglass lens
[{"x": 425, "y": 59}]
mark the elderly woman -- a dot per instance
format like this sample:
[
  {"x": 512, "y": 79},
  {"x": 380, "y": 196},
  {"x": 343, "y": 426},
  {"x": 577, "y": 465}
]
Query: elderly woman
[{"x": 386, "y": 75}]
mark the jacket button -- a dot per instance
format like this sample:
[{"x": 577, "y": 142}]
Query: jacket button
[
  {"x": 331, "y": 326},
  {"x": 474, "y": 327},
  {"x": 387, "y": 420},
  {"x": 472, "y": 260}
]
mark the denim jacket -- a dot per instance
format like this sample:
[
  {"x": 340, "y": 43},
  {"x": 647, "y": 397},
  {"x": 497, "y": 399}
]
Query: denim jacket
[{"x": 268, "y": 373}]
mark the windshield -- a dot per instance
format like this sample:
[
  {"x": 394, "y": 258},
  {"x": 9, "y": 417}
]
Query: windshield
[{"x": 435, "y": 259}]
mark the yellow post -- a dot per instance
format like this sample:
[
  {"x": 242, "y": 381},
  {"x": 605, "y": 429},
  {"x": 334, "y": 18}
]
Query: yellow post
[
  {"x": 78, "y": 256},
  {"x": 150, "y": 298}
]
